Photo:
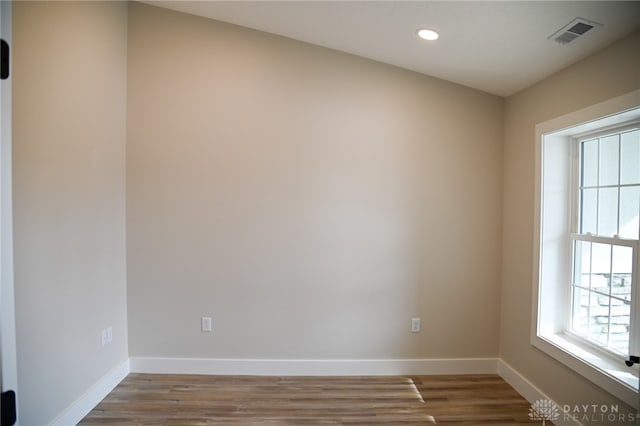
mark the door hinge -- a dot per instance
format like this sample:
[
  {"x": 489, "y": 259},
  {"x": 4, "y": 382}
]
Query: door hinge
[
  {"x": 8, "y": 408},
  {"x": 4, "y": 60}
]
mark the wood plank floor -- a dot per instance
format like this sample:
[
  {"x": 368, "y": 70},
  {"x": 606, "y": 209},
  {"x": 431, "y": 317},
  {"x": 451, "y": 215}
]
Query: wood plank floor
[{"x": 190, "y": 400}]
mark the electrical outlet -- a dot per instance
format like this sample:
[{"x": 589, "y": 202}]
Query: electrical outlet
[
  {"x": 110, "y": 334},
  {"x": 415, "y": 325},
  {"x": 104, "y": 337},
  {"x": 206, "y": 324}
]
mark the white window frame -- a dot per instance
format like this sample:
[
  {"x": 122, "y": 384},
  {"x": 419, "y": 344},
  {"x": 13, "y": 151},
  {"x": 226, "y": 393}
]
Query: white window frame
[
  {"x": 576, "y": 235},
  {"x": 553, "y": 223}
]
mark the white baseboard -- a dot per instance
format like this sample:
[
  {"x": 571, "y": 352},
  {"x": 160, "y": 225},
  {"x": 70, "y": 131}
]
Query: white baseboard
[
  {"x": 530, "y": 392},
  {"x": 92, "y": 397},
  {"x": 297, "y": 367}
]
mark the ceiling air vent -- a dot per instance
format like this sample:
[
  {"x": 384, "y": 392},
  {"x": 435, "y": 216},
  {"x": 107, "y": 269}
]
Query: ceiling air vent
[{"x": 574, "y": 29}]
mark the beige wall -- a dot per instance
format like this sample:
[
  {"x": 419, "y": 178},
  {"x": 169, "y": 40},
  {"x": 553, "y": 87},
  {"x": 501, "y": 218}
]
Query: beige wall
[
  {"x": 310, "y": 201},
  {"x": 69, "y": 87},
  {"x": 607, "y": 74}
]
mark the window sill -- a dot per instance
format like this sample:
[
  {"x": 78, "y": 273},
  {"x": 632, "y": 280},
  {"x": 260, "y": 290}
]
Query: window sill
[{"x": 609, "y": 373}]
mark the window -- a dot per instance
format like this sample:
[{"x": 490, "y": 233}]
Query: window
[
  {"x": 604, "y": 240},
  {"x": 586, "y": 286}
]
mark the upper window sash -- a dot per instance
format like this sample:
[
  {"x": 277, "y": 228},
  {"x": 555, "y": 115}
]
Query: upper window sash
[{"x": 576, "y": 168}]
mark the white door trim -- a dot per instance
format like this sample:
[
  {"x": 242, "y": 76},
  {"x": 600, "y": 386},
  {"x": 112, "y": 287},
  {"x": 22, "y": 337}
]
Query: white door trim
[{"x": 8, "y": 359}]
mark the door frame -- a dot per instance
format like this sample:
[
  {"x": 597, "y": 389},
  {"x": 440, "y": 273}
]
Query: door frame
[{"x": 8, "y": 359}]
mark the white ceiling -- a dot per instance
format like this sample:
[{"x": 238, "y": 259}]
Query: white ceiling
[{"x": 499, "y": 47}]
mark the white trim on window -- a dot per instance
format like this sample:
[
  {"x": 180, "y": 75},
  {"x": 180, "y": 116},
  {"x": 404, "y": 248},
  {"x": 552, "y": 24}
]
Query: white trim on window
[{"x": 555, "y": 159}]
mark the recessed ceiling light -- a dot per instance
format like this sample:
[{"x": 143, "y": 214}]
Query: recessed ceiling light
[{"x": 426, "y": 34}]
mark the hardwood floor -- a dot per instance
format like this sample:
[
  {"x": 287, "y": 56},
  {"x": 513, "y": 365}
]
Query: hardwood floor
[{"x": 185, "y": 400}]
